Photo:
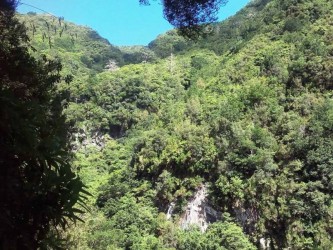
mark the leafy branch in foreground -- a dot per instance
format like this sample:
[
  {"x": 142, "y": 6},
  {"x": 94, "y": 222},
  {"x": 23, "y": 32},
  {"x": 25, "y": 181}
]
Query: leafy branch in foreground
[
  {"x": 189, "y": 16},
  {"x": 38, "y": 189}
]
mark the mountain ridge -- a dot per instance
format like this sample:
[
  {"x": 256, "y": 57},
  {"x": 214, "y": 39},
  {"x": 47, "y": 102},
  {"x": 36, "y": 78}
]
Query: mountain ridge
[{"x": 247, "y": 112}]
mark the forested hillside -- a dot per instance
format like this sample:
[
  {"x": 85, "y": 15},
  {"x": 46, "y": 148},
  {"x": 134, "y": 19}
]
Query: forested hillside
[{"x": 245, "y": 113}]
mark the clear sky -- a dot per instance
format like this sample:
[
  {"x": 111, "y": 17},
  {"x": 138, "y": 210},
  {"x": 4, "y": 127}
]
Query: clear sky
[{"x": 122, "y": 22}]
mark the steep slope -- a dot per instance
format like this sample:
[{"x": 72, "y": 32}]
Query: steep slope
[
  {"x": 52, "y": 35},
  {"x": 246, "y": 112},
  {"x": 137, "y": 54},
  {"x": 82, "y": 51},
  {"x": 229, "y": 35}
]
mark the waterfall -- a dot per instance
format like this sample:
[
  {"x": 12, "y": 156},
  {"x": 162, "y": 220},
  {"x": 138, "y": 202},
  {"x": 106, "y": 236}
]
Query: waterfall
[
  {"x": 265, "y": 244},
  {"x": 170, "y": 210}
]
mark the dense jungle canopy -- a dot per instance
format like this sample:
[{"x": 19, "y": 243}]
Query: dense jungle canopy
[{"x": 126, "y": 138}]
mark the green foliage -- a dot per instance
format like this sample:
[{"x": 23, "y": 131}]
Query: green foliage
[
  {"x": 137, "y": 54},
  {"x": 247, "y": 111},
  {"x": 168, "y": 43},
  {"x": 38, "y": 187},
  {"x": 219, "y": 236},
  {"x": 55, "y": 36}
]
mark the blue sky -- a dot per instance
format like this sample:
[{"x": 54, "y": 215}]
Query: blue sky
[{"x": 122, "y": 22}]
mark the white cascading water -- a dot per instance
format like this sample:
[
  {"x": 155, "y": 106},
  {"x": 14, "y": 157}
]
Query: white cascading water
[{"x": 170, "y": 210}]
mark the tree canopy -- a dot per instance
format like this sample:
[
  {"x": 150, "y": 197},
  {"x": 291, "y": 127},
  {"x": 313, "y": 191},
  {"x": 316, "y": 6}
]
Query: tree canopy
[
  {"x": 246, "y": 113},
  {"x": 38, "y": 189},
  {"x": 189, "y": 15}
]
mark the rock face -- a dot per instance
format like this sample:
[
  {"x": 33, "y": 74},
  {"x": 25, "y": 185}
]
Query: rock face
[
  {"x": 83, "y": 138},
  {"x": 198, "y": 211},
  {"x": 246, "y": 216}
]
